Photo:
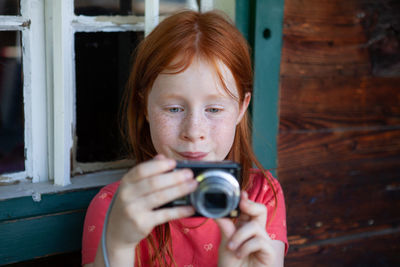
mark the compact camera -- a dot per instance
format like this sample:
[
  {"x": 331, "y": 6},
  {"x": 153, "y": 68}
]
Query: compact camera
[{"x": 218, "y": 191}]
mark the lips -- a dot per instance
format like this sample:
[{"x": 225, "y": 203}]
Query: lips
[{"x": 193, "y": 155}]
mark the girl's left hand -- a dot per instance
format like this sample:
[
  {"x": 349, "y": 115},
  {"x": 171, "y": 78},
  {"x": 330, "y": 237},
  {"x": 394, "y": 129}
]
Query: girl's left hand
[{"x": 247, "y": 243}]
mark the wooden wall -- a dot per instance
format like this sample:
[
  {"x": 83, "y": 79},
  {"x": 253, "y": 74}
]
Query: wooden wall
[{"x": 339, "y": 132}]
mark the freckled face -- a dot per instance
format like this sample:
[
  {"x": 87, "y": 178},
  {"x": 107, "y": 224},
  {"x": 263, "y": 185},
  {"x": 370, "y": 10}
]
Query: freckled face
[{"x": 190, "y": 114}]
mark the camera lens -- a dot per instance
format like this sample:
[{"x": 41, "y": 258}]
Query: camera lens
[
  {"x": 212, "y": 201},
  {"x": 217, "y": 194}
]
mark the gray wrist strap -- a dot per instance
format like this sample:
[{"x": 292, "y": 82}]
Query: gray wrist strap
[{"x": 103, "y": 234}]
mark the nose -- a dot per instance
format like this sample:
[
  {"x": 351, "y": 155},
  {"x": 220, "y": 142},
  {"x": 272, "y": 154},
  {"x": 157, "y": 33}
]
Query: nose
[{"x": 193, "y": 127}]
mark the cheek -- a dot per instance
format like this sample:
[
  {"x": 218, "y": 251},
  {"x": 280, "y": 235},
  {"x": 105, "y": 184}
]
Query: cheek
[
  {"x": 162, "y": 130},
  {"x": 223, "y": 135}
]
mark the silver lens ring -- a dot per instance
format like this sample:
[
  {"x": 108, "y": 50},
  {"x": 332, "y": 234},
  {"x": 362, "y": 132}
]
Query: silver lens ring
[{"x": 216, "y": 181}]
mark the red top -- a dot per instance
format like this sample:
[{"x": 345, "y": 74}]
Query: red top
[{"x": 192, "y": 245}]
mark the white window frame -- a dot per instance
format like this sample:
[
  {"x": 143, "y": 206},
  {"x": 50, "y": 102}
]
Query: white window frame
[
  {"x": 30, "y": 24},
  {"x": 48, "y": 29}
]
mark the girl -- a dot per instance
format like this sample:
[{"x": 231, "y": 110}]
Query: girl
[{"x": 187, "y": 99}]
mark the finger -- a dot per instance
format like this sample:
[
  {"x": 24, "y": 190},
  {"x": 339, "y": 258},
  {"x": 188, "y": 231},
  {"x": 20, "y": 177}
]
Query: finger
[
  {"x": 156, "y": 183},
  {"x": 163, "y": 196},
  {"x": 246, "y": 232},
  {"x": 226, "y": 227},
  {"x": 243, "y": 218},
  {"x": 164, "y": 215},
  {"x": 255, "y": 210},
  {"x": 265, "y": 253},
  {"x": 160, "y": 156},
  {"x": 149, "y": 168}
]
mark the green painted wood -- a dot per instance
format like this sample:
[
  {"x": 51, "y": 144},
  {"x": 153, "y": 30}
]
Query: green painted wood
[
  {"x": 30, "y": 229},
  {"x": 24, "y": 207},
  {"x": 267, "y": 57},
  {"x": 244, "y": 19},
  {"x": 39, "y": 236}
]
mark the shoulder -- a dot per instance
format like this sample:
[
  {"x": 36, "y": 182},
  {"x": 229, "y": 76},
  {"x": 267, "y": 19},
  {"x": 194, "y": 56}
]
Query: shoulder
[
  {"x": 263, "y": 186},
  {"x": 102, "y": 199},
  {"x": 94, "y": 221}
]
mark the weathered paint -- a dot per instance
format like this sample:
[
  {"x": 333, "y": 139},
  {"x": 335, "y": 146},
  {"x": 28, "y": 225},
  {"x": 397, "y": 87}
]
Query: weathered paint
[
  {"x": 13, "y": 23},
  {"x": 63, "y": 90},
  {"x": 34, "y": 69}
]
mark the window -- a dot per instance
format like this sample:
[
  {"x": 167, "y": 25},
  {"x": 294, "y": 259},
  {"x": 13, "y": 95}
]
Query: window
[
  {"x": 63, "y": 65},
  {"x": 22, "y": 92}
]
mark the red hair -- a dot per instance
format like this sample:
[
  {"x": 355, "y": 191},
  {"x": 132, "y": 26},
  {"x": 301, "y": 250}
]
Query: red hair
[{"x": 171, "y": 47}]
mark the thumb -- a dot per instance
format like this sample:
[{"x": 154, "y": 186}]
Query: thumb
[{"x": 226, "y": 227}]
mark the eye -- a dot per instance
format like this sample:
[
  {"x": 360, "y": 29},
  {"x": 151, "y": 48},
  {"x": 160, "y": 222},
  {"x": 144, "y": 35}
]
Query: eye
[
  {"x": 175, "y": 109},
  {"x": 213, "y": 110}
]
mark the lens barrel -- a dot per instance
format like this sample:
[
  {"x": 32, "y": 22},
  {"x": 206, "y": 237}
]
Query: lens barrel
[{"x": 217, "y": 194}]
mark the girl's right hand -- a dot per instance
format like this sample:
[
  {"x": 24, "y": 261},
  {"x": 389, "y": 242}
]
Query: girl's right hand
[{"x": 145, "y": 187}]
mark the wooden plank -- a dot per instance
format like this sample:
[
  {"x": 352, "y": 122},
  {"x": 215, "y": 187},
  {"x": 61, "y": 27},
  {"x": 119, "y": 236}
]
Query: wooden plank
[
  {"x": 39, "y": 236},
  {"x": 301, "y": 149},
  {"x": 340, "y": 198},
  {"x": 338, "y": 102},
  {"x": 339, "y": 182},
  {"x": 338, "y": 37},
  {"x": 323, "y": 58},
  {"x": 24, "y": 207},
  {"x": 324, "y": 38},
  {"x": 334, "y": 12},
  {"x": 364, "y": 250}
]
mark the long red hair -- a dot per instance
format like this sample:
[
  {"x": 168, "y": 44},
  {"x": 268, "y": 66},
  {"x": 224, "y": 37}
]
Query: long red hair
[{"x": 171, "y": 47}]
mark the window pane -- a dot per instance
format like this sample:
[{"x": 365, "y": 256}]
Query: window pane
[
  {"x": 9, "y": 7},
  {"x": 102, "y": 68},
  {"x": 11, "y": 103},
  {"x": 103, "y": 7},
  {"x": 171, "y": 6},
  {"x": 125, "y": 7}
]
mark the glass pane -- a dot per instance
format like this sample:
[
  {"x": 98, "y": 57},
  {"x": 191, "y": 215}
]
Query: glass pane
[
  {"x": 11, "y": 103},
  {"x": 9, "y": 7},
  {"x": 171, "y": 6},
  {"x": 126, "y": 7},
  {"x": 102, "y": 68},
  {"x": 103, "y": 7}
]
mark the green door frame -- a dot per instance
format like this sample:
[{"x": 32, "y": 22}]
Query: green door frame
[{"x": 261, "y": 22}]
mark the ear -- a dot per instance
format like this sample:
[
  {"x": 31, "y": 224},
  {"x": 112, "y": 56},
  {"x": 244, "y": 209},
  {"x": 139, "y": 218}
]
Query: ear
[{"x": 243, "y": 108}]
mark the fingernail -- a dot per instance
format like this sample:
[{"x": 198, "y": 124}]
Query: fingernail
[
  {"x": 188, "y": 174},
  {"x": 171, "y": 162},
  {"x": 231, "y": 245}
]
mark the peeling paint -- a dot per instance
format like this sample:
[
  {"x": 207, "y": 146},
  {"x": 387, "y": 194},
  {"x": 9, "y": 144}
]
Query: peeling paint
[
  {"x": 26, "y": 24},
  {"x": 8, "y": 182},
  {"x": 37, "y": 197}
]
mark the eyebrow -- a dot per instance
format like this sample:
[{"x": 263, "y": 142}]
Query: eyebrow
[{"x": 211, "y": 96}]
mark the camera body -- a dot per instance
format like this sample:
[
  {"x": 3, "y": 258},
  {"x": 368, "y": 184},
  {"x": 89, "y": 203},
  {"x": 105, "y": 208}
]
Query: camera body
[{"x": 218, "y": 191}]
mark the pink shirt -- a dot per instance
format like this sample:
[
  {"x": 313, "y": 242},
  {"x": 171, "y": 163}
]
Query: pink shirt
[{"x": 192, "y": 245}]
